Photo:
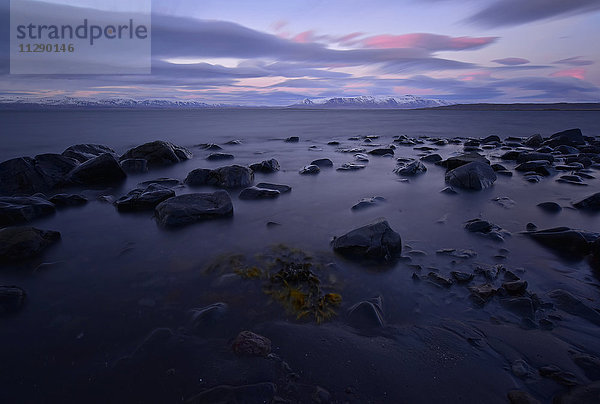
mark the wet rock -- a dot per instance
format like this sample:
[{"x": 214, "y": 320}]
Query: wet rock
[
  {"x": 277, "y": 187},
  {"x": 134, "y": 166},
  {"x": 381, "y": 151},
  {"x": 234, "y": 176},
  {"x": 541, "y": 167},
  {"x": 350, "y": 167},
  {"x": 505, "y": 202},
  {"x": 361, "y": 157},
  {"x": 463, "y": 159},
  {"x": 449, "y": 191},
  {"x": 475, "y": 176},
  {"x": 591, "y": 203},
  {"x": 411, "y": 169},
  {"x": 22, "y": 176},
  {"x": 491, "y": 139},
  {"x": 439, "y": 280},
  {"x": 55, "y": 167},
  {"x": 190, "y": 208},
  {"x": 373, "y": 241},
  {"x": 144, "y": 198},
  {"x": 522, "y": 306},
  {"x": 581, "y": 394},
  {"x": 535, "y": 156},
  {"x": 22, "y": 243},
  {"x": 66, "y": 200},
  {"x": 510, "y": 155},
  {"x": 368, "y": 202},
  {"x": 12, "y": 299},
  {"x": 22, "y": 209},
  {"x": 211, "y": 146},
  {"x": 367, "y": 314},
  {"x": 250, "y": 394},
  {"x": 462, "y": 253},
  {"x": 563, "y": 240},
  {"x": 201, "y": 320},
  {"x": 521, "y": 397},
  {"x": 558, "y": 375},
  {"x": 333, "y": 143},
  {"x": 266, "y": 166},
  {"x": 310, "y": 169},
  {"x": 564, "y": 149},
  {"x": 292, "y": 139},
  {"x": 158, "y": 153},
  {"x": 521, "y": 369},
  {"x": 551, "y": 207},
  {"x": 589, "y": 364},
  {"x": 233, "y": 142},
  {"x": 517, "y": 287},
  {"x": 565, "y": 301},
  {"x": 486, "y": 228},
  {"x": 101, "y": 170},
  {"x": 482, "y": 293},
  {"x": 253, "y": 193},
  {"x": 570, "y": 137},
  {"x": 498, "y": 167},
  {"x": 462, "y": 277},
  {"x": 322, "y": 163},
  {"x": 534, "y": 141},
  {"x": 248, "y": 343},
  {"x": 163, "y": 181},
  {"x": 85, "y": 152},
  {"x": 220, "y": 156},
  {"x": 431, "y": 158}
]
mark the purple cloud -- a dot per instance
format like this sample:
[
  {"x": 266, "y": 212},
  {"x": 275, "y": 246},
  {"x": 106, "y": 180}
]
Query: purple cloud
[
  {"x": 574, "y": 61},
  {"x": 511, "y": 61}
]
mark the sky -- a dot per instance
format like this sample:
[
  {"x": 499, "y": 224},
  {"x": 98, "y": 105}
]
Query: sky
[{"x": 274, "y": 52}]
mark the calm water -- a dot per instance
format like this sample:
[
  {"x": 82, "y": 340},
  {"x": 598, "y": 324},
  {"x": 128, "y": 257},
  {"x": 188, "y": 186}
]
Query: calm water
[{"x": 116, "y": 277}]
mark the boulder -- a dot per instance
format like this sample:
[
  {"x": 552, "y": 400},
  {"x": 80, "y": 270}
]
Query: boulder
[
  {"x": 570, "y": 137},
  {"x": 591, "y": 203},
  {"x": 158, "y": 153},
  {"x": 101, "y": 170},
  {"x": 322, "y": 163},
  {"x": 22, "y": 243},
  {"x": 373, "y": 241},
  {"x": 475, "y": 175},
  {"x": 190, "y": 208},
  {"x": 266, "y": 166},
  {"x": 292, "y": 139},
  {"x": 144, "y": 198},
  {"x": 367, "y": 314},
  {"x": 551, "y": 207},
  {"x": 22, "y": 176},
  {"x": 431, "y": 158},
  {"x": 277, "y": 187},
  {"x": 65, "y": 200},
  {"x": 541, "y": 167},
  {"x": 84, "y": 152},
  {"x": 534, "y": 141},
  {"x": 381, "y": 151},
  {"x": 563, "y": 240},
  {"x": 134, "y": 166},
  {"x": 21, "y": 209},
  {"x": 411, "y": 169},
  {"x": 248, "y": 343},
  {"x": 234, "y": 176},
  {"x": 491, "y": 139},
  {"x": 460, "y": 160},
  {"x": 533, "y": 156},
  {"x": 258, "y": 193},
  {"x": 55, "y": 167},
  {"x": 310, "y": 169}
]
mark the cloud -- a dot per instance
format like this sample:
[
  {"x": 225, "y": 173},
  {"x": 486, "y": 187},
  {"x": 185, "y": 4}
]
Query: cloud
[
  {"x": 575, "y": 73},
  {"x": 430, "y": 42},
  {"x": 511, "y": 61},
  {"x": 574, "y": 61},
  {"x": 515, "y": 12}
]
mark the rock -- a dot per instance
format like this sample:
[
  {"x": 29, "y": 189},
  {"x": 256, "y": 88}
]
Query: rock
[
  {"x": 350, "y": 167},
  {"x": 12, "y": 299},
  {"x": 220, "y": 156},
  {"x": 411, "y": 169},
  {"x": 538, "y": 166},
  {"x": 22, "y": 243},
  {"x": 101, "y": 170},
  {"x": 589, "y": 364},
  {"x": 202, "y": 319},
  {"x": 591, "y": 203},
  {"x": 483, "y": 292},
  {"x": 521, "y": 397},
  {"x": 551, "y": 207},
  {"x": 233, "y": 142},
  {"x": 134, "y": 166},
  {"x": 211, "y": 146},
  {"x": 190, "y": 208},
  {"x": 510, "y": 155},
  {"x": 373, "y": 241},
  {"x": 361, "y": 157},
  {"x": 234, "y": 176},
  {"x": 479, "y": 226},
  {"x": 65, "y": 200},
  {"x": 563, "y": 240},
  {"x": 491, "y": 139},
  {"x": 158, "y": 153},
  {"x": 505, "y": 202},
  {"x": 292, "y": 139},
  {"x": 580, "y": 394},
  {"x": 558, "y": 375},
  {"x": 144, "y": 198},
  {"x": 535, "y": 156},
  {"x": 163, "y": 181},
  {"x": 498, "y": 167},
  {"x": 322, "y": 163},
  {"x": 21, "y": 209},
  {"x": 381, "y": 151},
  {"x": 277, "y": 187},
  {"x": 367, "y": 314},
  {"x": 250, "y": 394},
  {"x": 449, "y": 191},
  {"x": 522, "y": 306},
  {"x": 258, "y": 193},
  {"x": 570, "y": 137},
  {"x": 310, "y": 169},
  {"x": 368, "y": 202},
  {"x": 462, "y": 277},
  {"x": 266, "y": 166},
  {"x": 439, "y": 280},
  {"x": 431, "y": 158},
  {"x": 475, "y": 175},
  {"x": 85, "y": 152},
  {"x": 55, "y": 167},
  {"x": 22, "y": 176},
  {"x": 565, "y": 301},
  {"x": 463, "y": 159},
  {"x": 595, "y": 250},
  {"x": 534, "y": 141},
  {"x": 515, "y": 287},
  {"x": 564, "y": 149},
  {"x": 333, "y": 143},
  {"x": 248, "y": 343}
]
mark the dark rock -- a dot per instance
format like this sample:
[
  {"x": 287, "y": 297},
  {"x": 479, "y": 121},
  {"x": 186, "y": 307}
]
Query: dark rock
[
  {"x": 510, "y": 155},
  {"x": 373, "y": 241},
  {"x": 22, "y": 243},
  {"x": 515, "y": 287},
  {"x": 12, "y": 299},
  {"x": 190, "y": 208},
  {"x": 321, "y": 163},
  {"x": 463, "y": 159},
  {"x": 475, "y": 175},
  {"x": 65, "y": 200},
  {"x": 538, "y": 166},
  {"x": 220, "y": 156},
  {"x": 333, "y": 143},
  {"x": 368, "y": 202},
  {"x": 411, "y": 169},
  {"x": 565, "y": 301},
  {"x": 504, "y": 173},
  {"x": 234, "y": 176},
  {"x": 498, "y": 167},
  {"x": 462, "y": 277},
  {"x": 361, "y": 157},
  {"x": 449, "y": 191},
  {"x": 367, "y": 314},
  {"x": 163, "y": 181},
  {"x": 292, "y": 139},
  {"x": 248, "y": 394},
  {"x": 381, "y": 151},
  {"x": 211, "y": 146},
  {"x": 564, "y": 149},
  {"x": 521, "y": 397},
  {"x": 256, "y": 192},
  {"x": 563, "y": 240},
  {"x": 479, "y": 226},
  {"x": 55, "y": 167},
  {"x": 350, "y": 167},
  {"x": 589, "y": 393},
  {"x": 591, "y": 203},
  {"x": 22, "y": 176},
  {"x": 431, "y": 158},
  {"x": 491, "y": 139},
  {"x": 201, "y": 320},
  {"x": 551, "y": 207},
  {"x": 85, "y": 152},
  {"x": 266, "y": 166},
  {"x": 570, "y": 137},
  {"x": 589, "y": 364},
  {"x": 158, "y": 153},
  {"x": 310, "y": 169},
  {"x": 534, "y": 141},
  {"x": 21, "y": 209},
  {"x": 101, "y": 170},
  {"x": 248, "y": 343},
  {"x": 439, "y": 280},
  {"x": 233, "y": 142},
  {"x": 134, "y": 166},
  {"x": 144, "y": 198},
  {"x": 535, "y": 156},
  {"x": 522, "y": 306},
  {"x": 484, "y": 292},
  {"x": 558, "y": 375}
]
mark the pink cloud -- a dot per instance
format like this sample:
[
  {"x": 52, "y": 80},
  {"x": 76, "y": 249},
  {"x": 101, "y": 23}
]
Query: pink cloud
[
  {"x": 574, "y": 73},
  {"x": 278, "y": 25},
  {"x": 349, "y": 39},
  {"x": 471, "y": 76},
  {"x": 304, "y": 37},
  {"x": 511, "y": 61},
  {"x": 430, "y": 42}
]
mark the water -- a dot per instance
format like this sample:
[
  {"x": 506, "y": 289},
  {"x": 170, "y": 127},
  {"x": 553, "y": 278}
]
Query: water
[{"x": 116, "y": 277}]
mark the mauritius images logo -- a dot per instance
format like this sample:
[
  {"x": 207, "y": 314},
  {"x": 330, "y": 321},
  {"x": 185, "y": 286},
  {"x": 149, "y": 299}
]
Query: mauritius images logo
[{"x": 88, "y": 38}]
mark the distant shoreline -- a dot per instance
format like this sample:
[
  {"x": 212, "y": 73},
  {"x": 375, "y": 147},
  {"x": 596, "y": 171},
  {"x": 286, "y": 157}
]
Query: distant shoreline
[{"x": 562, "y": 106}]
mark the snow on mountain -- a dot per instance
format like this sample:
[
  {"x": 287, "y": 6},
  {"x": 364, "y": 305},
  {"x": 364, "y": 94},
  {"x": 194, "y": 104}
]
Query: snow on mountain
[
  {"x": 367, "y": 101},
  {"x": 68, "y": 102}
]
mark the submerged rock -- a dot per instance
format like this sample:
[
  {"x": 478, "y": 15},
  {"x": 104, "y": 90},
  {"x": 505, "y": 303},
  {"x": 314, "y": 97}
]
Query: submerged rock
[
  {"x": 158, "y": 153},
  {"x": 322, "y": 163},
  {"x": 65, "y": 200},
  {"x": 144, "y": 198},
  {"x": 134, "y": 166},
  {"x": 277, "y": 187},
  {"x": 292, "y": 139},
  {"x": 411, "y": 169},
  {"x": 85, "y": 152},
  {"x": 565, "y": 301},
  {"x": 234, "y": 176},
  {"x": 258, "y": 193},
  {"x": 373, "y": 241},
  {"x": 101, "y": 170},
  {"x": 368, "y": 202},
  {"x": 551, "y": 207},
  {"x": 591, "y": 203},
  {"x": 220, "y": 156},
  {"x": 248, "y": 343},
  {"x": 266, "y": 166},
  {"x": 22, "y": 243},
  {"x": 367, "y": 314},
  {"x": 12, "y": 299},
  {"x": 381, "y": 151},
  {"x": 21, "y": 209},
  {"x": 310, "y": 169},
  {"x": 574, "y": 243},
  {"x": 475, "y": 175},
  {"x": 454, "y": 162},
  {"x": 190, "y": 208},
  {"x": 350, "y": 167},
  {"x": 200, "y": 320}
]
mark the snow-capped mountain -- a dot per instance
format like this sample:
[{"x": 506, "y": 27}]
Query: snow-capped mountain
[
  {"x": 68, "y": 102},
  {"x": 366, "y": 101}
]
